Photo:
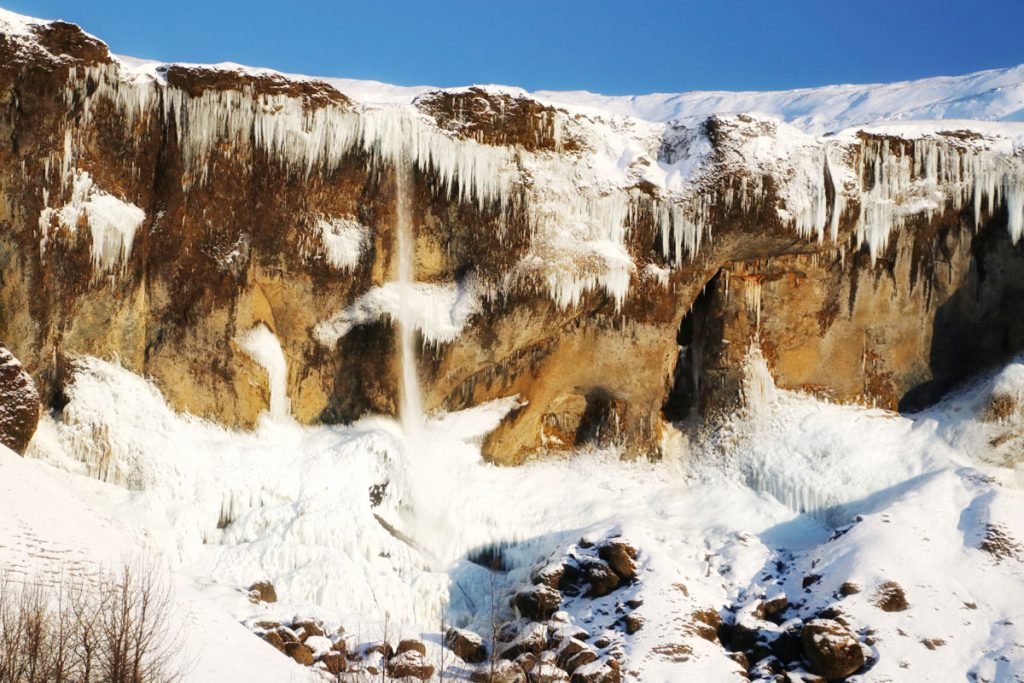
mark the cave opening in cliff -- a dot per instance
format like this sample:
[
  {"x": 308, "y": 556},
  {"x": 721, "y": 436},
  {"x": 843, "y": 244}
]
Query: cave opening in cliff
[{"x": 683, "y": 398}]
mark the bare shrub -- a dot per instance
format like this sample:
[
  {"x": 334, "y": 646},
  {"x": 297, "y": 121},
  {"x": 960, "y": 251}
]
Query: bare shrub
[{"x": 115, "y": 627}]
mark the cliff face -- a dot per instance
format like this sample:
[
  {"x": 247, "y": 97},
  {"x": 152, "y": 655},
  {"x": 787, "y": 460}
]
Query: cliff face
[{"x": 157, "y": 214}]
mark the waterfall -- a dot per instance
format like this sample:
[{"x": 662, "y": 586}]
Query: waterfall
[
  {"x": 263, "y": 347},
  {"x": 410, "y": 408}
]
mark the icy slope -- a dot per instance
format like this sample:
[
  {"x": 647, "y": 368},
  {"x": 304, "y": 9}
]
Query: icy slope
[
  {"x": 292, "y": 504},
  {"x": 48, "y": 531}
]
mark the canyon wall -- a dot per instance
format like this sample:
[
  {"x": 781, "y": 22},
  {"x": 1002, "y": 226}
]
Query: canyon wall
[{"x": 611, "y": 272}]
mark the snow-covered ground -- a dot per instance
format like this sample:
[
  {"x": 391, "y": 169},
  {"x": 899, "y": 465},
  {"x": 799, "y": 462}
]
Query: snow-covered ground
[{"x": 745, "y": 513}]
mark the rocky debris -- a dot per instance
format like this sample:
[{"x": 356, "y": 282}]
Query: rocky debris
[
  {"x": 306, "y": 628},
  {"x": 849, "y": 588},
  {"x": 19, "y": 403},
  {"x": 598, "y": 671},
  {"x": 275, "y": 639},
  {"x": 411, "y": 645},
  {"x": 601, "y": 578},
  {"x": 634, "y": 622},
  {"x": 300, "y": 653},
  {"x": 933, "y": 643},
  {"x": 569, "y": 649},
  {"x": 538, "y": 602},
  {"x": 467, "y": 646},
  {"x": 549, "y": 575},
  {"x": 499, "y": 671},
  {"x": 889, "y": 597},
  {"x": 773, "y": 606},
  {"x": 410, "y": 664},
  {"x": 999, "y": 543},
  {"x": 334, "y": 662},
  {"x": 705, "y": 623},
  {"x": 832, "y": 650},
  {"x": 532, "y": 638},
  {"x": 621, "y": 557}
]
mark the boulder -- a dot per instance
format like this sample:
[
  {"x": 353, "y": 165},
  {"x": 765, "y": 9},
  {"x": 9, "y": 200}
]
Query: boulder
[
  {"x": 334, "y": 662},
  {"x": 832, "y": 649},
  {"x": 569, "y": 648},
  {"x": 889, "y": 597},
  {"x": 705, "y": 623},
  {"x": 499, "y": 671},
  {"x": 533, "y": 638},
  {"x": 601, "y": 578},
  {"x": 537, "y": 602},
  {"x": 849, "y": 588},
  {"x": 634, "y": 622},
  {"x": 621, "y": 557},
  {"x": 300, "y": 653},
  {"x": 606, "y": 671},
  {"x": 275, "y": 639},
  {"x": 467, "y": 646},
  {"x": 549, "y": 575},
  {"x": 580, "y": 660},
  {"x": 306, "y": 628},
  {"x": 410, "y": 664},
  {"x": 411, "y": 645},
  {"x": 19, "y": 403}
]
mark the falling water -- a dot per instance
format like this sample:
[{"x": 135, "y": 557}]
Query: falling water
[{"x": 410, "y": 410}]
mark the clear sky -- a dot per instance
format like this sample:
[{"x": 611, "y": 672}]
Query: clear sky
[{"x": 614, "y": 47}]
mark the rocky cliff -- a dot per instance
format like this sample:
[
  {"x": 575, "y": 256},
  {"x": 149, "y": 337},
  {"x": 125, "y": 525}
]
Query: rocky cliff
[{"x": 610, "y": 271}]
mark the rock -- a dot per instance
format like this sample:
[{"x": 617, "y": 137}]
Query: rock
[
  {"x": 466, "y": 645},
  {"x": 849, "y": 588},
  {"x": 621, "y": 557},
  {"x": 634, "y": 622},
  {"x": 773, "y": 606},
  {"x": 264, "y": 590},
  {"x": 601, "y": 642},
  {"x": 569, "y": 648},
  {"x": 832, "y": 649},
  {"x": 580, "y": 660},
  {"x": 275, "y": 639},
  {"x": 601, "y": 578},
  {"x": 889, "y": 597},
  {"x": 499, "y": 671},
  {"x": 547, "y": 672},
  {"x": 334, "y": 662},
  {"x": 306, "y": 628},
  {"x": 787, "y": 646},
  {"x": 705, "y": 623},
  {"x": 740, "y": 659},
  {"x": 299, "y": 652},
  {"x": 411, "y": 645},
  {"x": 410, "y": 664},
  {"x": 320, "y": 645},
  {"x": 560, "y": 631},
  {"x": 606, "y": 671},
  {"x": 537, "y": 602},
  {"x": 532, "y": 638},
  {"x": 19, "y": 402},
  {"x": 810, "y": 580},
  {"x": 550, "y": 575},
  {"x": 288, "y": 635},
  {"x": 267, "y": 625},
  {"x": 380, "y": 648}
]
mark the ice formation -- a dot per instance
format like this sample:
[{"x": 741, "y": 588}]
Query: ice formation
[
  {"x": 344, "y": 240},
  {"x": 112, "y": 222},
  {"x": 263, "y": 347},
  {"x": 411, "y": 410}
]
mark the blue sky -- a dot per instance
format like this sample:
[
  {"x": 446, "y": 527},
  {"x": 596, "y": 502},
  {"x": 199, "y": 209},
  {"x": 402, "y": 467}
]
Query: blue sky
[{"x": 628, "y": 46}]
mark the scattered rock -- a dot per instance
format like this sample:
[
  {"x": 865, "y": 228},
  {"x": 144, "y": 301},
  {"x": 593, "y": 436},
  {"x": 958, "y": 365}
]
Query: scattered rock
[
  {"x": 810, "y": 580},
  {"x": 411, "y": 645},
  {"x": 634, "y": 622},
  {"x": 334, "y": 662},
  {"x": 499, "y": 671},
  {"x": 466, "y": 645},
  {"x": 773, "y": 606},
  {"x": 410, "y": 664},
  {"x": 601, "y": 578},
  {"x": 832, "y": 650},
  {"x": 381, "y": 648},
  {"x": 705, "y": 623},
  {"x": 533, "y": 638},
  {"x": 597, "y": 672},
  {"x": 306, "y": 628},
  {"x": 267, "y": 625},
  {"x": 580, "y": 660},
  {"x": 621, "y": 557},
  {"x": 849, "y": 588},
  {"x": 264, "y": 591},
  {"x": 889, "y": 597},
  {"x": 537, "y": 602},
  {"x": 275, "y": 639},
  {"x": 999, "y": 543},
  {"x": 569, "y": 648},
  {"x": 933, "y": 643},
  {"x": 549, "y": 575},
  {"x": 299, "y": 652}
]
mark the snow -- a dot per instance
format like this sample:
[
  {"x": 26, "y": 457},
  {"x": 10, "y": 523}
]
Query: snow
[
  {"x": 289, "y": 504},
  {"x": 112, "y": 222}
]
